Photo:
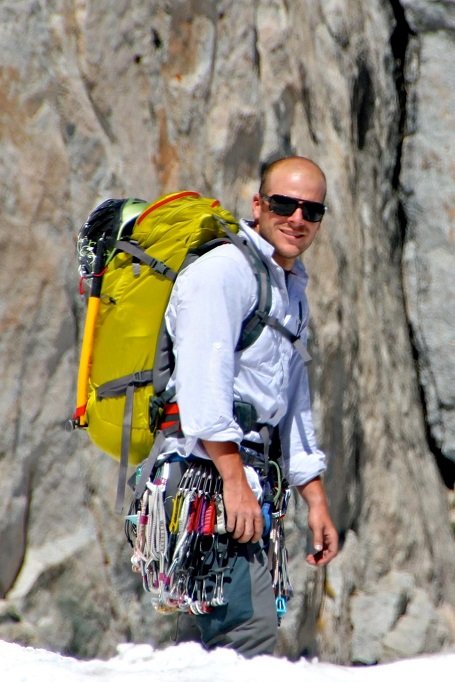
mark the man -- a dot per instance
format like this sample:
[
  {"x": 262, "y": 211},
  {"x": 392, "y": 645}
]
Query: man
[{"x": 209, "y": 303}]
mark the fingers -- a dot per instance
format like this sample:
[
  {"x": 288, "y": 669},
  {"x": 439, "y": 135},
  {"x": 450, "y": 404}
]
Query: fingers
[
  {"x": 325, "y": 550},
  {"x": 320, "y": 558},
  {"x": 243, "y": 513},
  {"x": 246, "y": 527}
]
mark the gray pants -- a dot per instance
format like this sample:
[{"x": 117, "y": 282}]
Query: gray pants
[{"x": 248, "y": 622}]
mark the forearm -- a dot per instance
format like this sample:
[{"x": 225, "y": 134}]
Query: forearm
[
  {"x": 313, "y": 493},
  {"x": 226, "y": 457}
]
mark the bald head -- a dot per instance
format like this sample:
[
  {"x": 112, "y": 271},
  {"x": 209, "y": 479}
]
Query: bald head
[
  {"x": 289, "y": 207},
  {"x": 293, "y": 165}
]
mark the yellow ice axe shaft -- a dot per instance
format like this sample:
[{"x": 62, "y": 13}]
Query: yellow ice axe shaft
[
  {"x": 88, "y": 339},
  {"x": 85, "y": 361}
]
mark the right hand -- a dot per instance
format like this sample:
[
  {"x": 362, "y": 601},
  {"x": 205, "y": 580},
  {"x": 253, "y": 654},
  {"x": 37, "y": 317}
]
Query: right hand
[{"x": 243, "y": 513}]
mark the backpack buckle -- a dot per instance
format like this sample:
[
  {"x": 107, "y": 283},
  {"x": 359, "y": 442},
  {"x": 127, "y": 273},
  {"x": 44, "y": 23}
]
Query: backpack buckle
[{"x": 156, "y": 411}]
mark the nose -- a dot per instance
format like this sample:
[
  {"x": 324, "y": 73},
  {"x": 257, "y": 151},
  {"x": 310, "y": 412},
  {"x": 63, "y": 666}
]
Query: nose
[{"x": 297, "y": 216}]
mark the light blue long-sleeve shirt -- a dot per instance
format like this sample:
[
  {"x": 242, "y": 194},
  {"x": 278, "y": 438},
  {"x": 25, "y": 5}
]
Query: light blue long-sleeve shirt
[{"x": 208, "y": 305}]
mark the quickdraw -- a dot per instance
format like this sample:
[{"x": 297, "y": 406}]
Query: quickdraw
[
  {"x": 278, "y": 556},
  {"x": 274, "y": 508},
  {"x": 183, "y": 559},
  {"x": 181, "y": 564}
]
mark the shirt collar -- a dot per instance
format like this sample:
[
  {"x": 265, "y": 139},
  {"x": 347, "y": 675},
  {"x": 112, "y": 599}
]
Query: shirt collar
[{"x": 267, "y": 249}]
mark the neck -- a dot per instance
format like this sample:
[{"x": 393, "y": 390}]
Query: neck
[{"x": 286, "y": 263}]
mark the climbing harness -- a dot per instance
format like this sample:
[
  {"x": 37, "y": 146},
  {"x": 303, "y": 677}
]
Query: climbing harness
[{"x": 180, "y": 544}]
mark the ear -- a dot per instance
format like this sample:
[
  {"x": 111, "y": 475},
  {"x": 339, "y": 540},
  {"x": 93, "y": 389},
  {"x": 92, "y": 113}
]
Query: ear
[{"x": 256, "y": 206}]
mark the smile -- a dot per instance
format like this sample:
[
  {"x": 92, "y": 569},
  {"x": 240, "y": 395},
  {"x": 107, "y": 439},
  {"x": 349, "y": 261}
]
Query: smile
[{"x": 293, "y": 234}]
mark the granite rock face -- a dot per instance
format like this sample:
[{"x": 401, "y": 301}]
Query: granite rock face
[
  {"x": 136, "y": 99},
  {"x": 428, "y": 195}
]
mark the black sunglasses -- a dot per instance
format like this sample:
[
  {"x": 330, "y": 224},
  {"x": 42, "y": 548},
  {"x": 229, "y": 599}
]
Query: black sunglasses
[{"x": 286, "y": 206}]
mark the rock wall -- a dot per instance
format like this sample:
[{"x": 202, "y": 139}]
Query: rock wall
[
  {"x": 428, "y": 199},
  {"x": 117, "y": 99}
]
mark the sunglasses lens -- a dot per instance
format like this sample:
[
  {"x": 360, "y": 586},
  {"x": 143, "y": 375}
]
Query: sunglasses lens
[
  {"x": 284, "y": 206},
  {"x": 312, "y": 211}
]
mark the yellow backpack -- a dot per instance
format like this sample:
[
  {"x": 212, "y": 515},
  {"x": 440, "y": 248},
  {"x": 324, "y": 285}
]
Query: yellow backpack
[{"x": 130, "y": 253}]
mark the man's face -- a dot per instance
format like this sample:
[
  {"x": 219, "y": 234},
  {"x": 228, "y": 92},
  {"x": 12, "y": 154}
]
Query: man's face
[{"x": 292, "y": 235}]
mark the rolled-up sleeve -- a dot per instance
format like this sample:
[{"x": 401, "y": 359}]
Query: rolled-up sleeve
[{"x": 302, "y": 459}]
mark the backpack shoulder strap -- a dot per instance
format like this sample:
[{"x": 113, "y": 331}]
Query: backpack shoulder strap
[
  {"x": 260, "y": 317},
  {"x": 254, "y": 324}
]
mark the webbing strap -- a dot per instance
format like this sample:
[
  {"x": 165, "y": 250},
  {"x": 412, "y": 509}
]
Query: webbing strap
[
  {"x": 292, "y": 338},
  {"x": 261, "y": 316},
  {"x": 255, "y": 260},
  {"x": 126, "y": 386},
  {"x": 170, "y": 420},
  {"x": 125, "y": 447},
  {"x": 118, "y": 387},
  {"x": 265, "y": 435},
  {"x": 139, "y": 253},
  {"x": 148, "y": 464},
  {"x": 253, "y": 325}
]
